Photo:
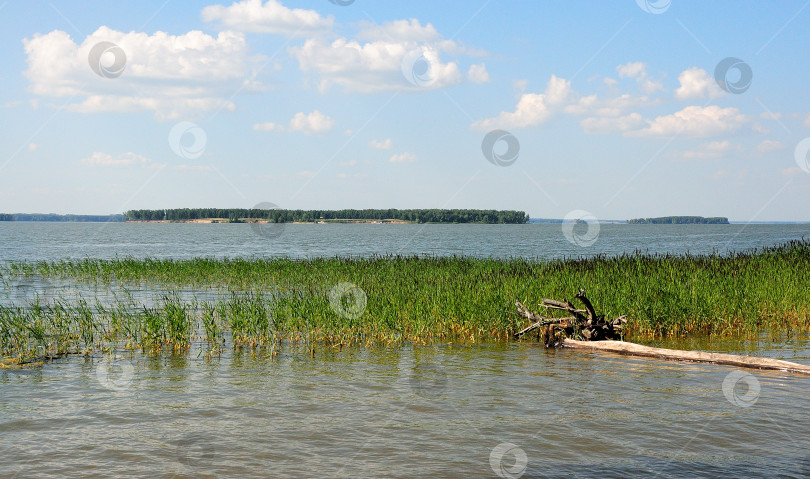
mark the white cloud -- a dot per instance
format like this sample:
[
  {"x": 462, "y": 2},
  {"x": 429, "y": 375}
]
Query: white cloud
[
  {"x": 403, "y": 158},
  {"x": 696, "y": 83},
  {"x": 711, "y": 150},
  {"x": 807, "y": 120},
  {"x": 632, "y": 70},
  {"x": 385, "y": 144},
  {"x": 398, "y": 31},
  {"x": 172, "y": 75},
  {"x": 348, "y": 163},
  {"x": 314, "y": 123},
  {"x": 270, "y": 17},
  {"x": 33, "y": 147},
  {"x": 532, "y": 108},
  {"x": 767, "y": 115},
  {"x": 268, "y": 126},
  {"x": 695, "y": 121},
  {"x": 400, "y": 55},
  {"x": 478, "y": 73},
  {"x": 105, "y": 159},
  {"x": 769, "y": 145},
  {"x": 638, "y": 70},
  {"x": 605, "y": 124}
]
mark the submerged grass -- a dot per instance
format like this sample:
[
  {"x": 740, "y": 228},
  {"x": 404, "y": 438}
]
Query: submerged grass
[{"x": 421, "y": 299}]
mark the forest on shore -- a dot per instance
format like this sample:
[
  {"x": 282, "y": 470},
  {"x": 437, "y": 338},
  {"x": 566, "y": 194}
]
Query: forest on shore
[{"x": 309, "y": 216}]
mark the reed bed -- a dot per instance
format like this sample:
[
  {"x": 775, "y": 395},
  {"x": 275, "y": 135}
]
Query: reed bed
[{"x": 396, "y": 298}]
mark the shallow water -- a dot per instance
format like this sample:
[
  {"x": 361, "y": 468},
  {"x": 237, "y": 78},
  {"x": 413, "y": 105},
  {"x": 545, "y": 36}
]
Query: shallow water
[
  {"x": 438, "y": 411},
  {"x": 492, "y": 410}
]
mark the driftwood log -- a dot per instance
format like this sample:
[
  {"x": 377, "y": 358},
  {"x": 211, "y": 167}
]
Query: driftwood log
[
  {"x": 583, "y": 329},
  {"x": 633, "y": 349},
  {"x": 581, "y": 324}
]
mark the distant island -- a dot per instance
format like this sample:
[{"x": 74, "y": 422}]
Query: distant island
[
  {"x": 60, "y": 218},
  {"x": 680, "y": 220},
  {"x": 237, "y": 215}
]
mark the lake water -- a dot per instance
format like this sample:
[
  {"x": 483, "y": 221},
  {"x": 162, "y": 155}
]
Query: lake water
[
  {"x": 487, "y": 410},
  {"x": 55, "y": 241}
]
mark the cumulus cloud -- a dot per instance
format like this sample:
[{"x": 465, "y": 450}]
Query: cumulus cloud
[
  {"x": 99, "y": 158},
  {"x": 478, "y": 73},
  {"x": 532, "y": 108},
  {"x": 604, "y": 124},
  {"x": 314, "y": 123},
  {"x": 696, "y": 83},
  {"x": 695, "y": 121},
  {"x": 270, "y": 17},
  {"x": 385, "y": 144},
  {"x": 402, "y": 158},
  {"x": 170, "y": 75},
  {"x": 711, "y": 150},
  {"x": 638, "y": 70},
  {"x": 395, "y": 56},
  {"x": 767, "y": 146}
]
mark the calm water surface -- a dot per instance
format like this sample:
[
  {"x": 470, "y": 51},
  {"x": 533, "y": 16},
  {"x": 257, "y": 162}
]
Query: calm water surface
[
  {"x": 505, "y": 410},
  {"x": 55, "y": 241}
]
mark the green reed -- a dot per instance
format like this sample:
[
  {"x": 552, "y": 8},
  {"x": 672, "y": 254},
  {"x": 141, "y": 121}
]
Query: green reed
[{"x": 419, "y": 299}]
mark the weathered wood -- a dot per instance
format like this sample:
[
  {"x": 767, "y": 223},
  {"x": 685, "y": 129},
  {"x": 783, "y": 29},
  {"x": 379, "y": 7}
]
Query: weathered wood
[
  {"x": 587, "y": 302},
  {"x": 633, "y": 349}
]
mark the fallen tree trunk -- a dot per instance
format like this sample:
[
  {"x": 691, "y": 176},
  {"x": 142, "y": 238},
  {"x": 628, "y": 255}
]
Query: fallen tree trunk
[{"x": 633, "y": 349}]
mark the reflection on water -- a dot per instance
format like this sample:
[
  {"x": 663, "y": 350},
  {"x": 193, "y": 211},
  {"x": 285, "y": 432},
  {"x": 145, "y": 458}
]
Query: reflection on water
[{"x": 438, "y": 411}]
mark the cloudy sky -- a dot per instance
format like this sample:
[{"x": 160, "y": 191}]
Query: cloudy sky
[{"x": 623, "y": 109}]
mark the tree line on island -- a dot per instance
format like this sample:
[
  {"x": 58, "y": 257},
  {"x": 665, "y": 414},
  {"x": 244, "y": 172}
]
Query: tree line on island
[
  {"x": 680, "y": 220},
  {"x": 60, "y": 218},
  {"x": 310, "y": 216}
]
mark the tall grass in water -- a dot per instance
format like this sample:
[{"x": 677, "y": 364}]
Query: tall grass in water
[{"x": 424, "y": 298}]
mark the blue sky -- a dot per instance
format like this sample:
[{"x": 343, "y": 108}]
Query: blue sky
[{"x": 616, "y": 106}]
